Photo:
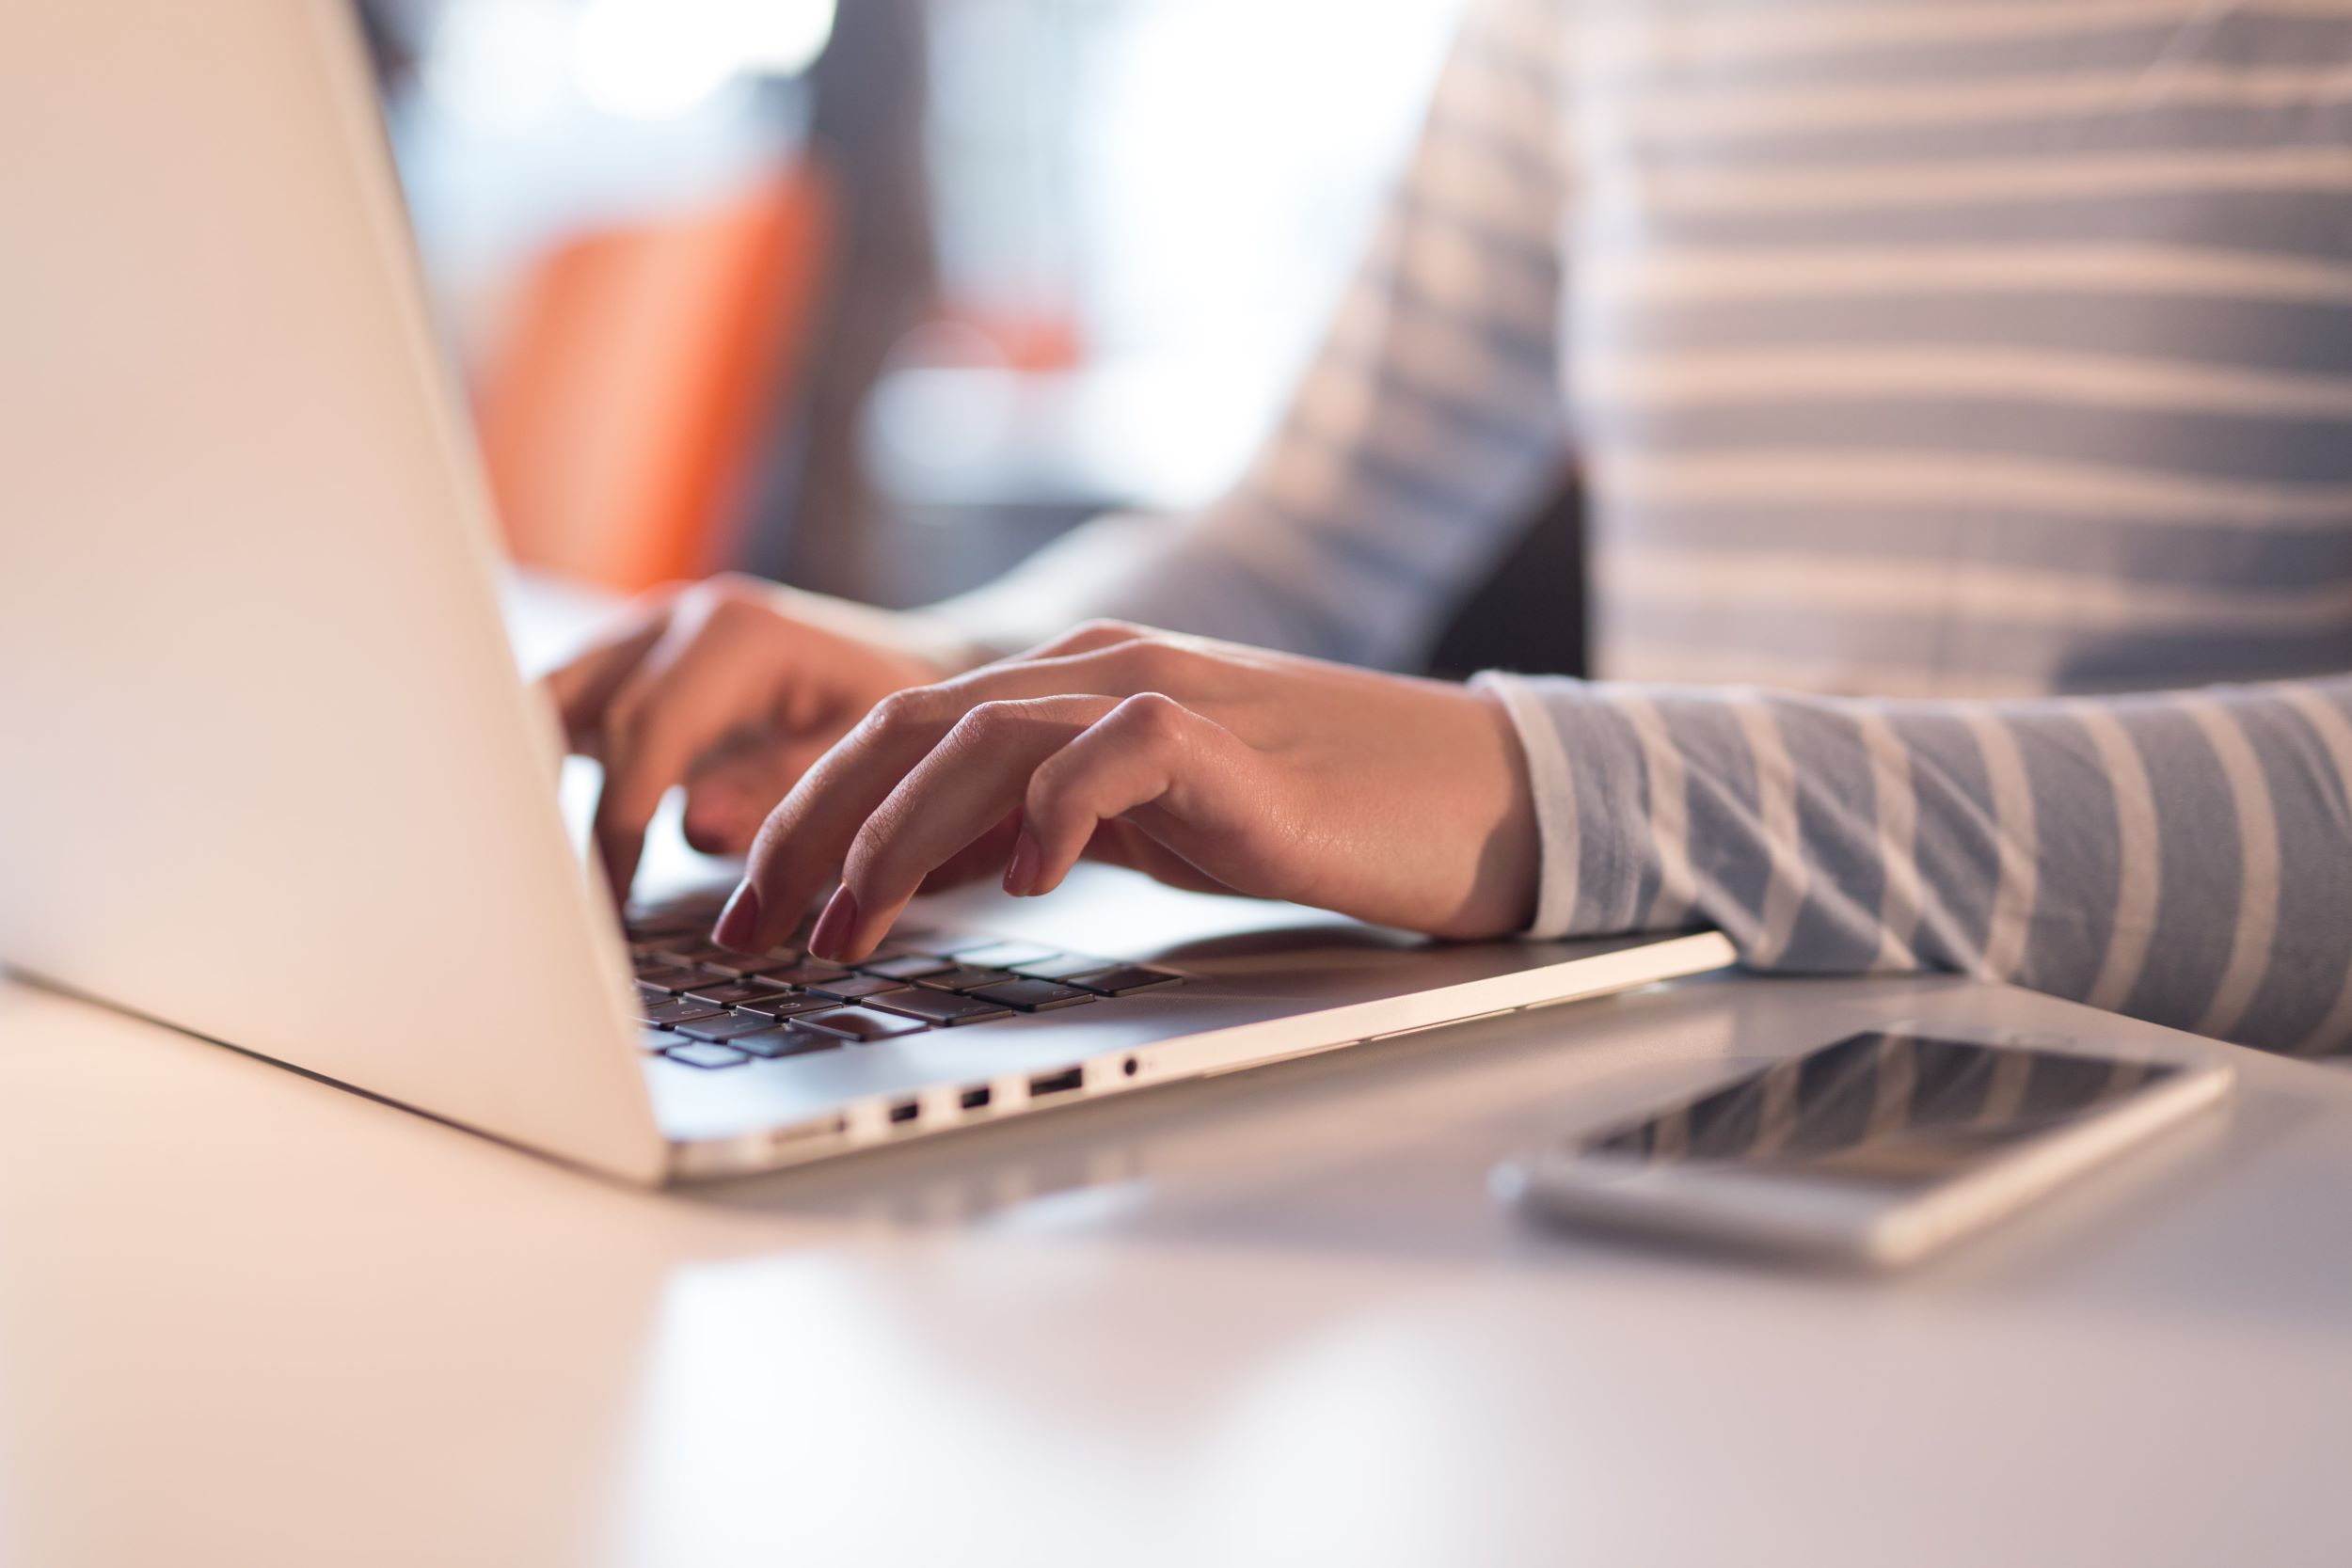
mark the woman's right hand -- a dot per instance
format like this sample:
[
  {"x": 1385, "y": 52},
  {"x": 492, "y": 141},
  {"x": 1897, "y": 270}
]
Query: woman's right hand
[{"x": 732, "y": 688}]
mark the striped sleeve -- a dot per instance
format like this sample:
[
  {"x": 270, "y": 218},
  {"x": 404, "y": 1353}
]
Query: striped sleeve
[
  {"x": 2185, "y": 857},
  {"x": 1427, "y": 428}
]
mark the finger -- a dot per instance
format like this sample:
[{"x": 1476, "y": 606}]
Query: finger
[
  {"x": 952, "y": 798},
  {"x": 1187, "y": 779},
  {"x": 581, "y": 687},
  {"x": 687, "y": 695},
  {"x": 808, "y": 839},
  {"x": 804, "y": 840}
]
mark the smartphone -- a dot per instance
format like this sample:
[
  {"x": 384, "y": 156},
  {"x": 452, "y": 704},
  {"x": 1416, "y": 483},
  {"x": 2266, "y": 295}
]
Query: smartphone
[{"x": 1875, "y": 1150}]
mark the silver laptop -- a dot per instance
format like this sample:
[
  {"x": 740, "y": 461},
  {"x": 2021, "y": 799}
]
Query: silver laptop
[{"x": 268, "y": 773}]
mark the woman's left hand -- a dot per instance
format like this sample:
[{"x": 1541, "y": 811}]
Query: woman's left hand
[{"x": 1209, "y": 766}]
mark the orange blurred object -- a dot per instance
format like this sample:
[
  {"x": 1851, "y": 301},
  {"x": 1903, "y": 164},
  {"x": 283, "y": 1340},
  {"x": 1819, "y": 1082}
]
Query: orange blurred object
[
  {"x": 620, "y": 414},
  {"x": 1035, "y": 342}
]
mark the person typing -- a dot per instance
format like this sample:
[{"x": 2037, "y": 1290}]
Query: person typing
[{"x": 1959, "y": 393}]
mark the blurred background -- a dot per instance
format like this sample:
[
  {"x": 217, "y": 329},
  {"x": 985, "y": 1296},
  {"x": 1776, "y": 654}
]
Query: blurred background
[{"x": 876, "y": 296}]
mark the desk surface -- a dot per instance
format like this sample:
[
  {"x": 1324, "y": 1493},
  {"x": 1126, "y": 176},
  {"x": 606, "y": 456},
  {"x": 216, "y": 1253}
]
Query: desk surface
[{"x": 249, "y": 1319}]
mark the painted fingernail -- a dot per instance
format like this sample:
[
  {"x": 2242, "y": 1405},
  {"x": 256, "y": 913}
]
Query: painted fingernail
[
  {"x": 831, "y": 935},
  {"x": 739, "y": 923},
  {"x": 1020, "y": 871}
]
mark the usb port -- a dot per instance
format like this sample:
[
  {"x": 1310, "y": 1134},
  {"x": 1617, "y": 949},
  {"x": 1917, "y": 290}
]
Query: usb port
[
  {"x": 906, "y": 1110},
  {"x": 976, "y": 1099},
  {"x": 1056, "y": 1082}
]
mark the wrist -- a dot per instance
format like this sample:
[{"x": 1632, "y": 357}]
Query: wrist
[
  {"x": 1554, "y": 795},
  {"x": 1510, "y": 870}
]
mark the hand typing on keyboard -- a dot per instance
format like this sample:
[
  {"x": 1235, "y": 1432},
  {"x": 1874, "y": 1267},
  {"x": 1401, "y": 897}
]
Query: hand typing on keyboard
[
  {"x": 709, "y": 1008},
  {"x": 1206, "y": 764},
  {"x": 731, "y": 688}
]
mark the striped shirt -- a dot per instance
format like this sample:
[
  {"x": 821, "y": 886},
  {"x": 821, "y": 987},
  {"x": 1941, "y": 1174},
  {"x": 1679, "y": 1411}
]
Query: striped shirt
[{"x": 1946, "y": 376}]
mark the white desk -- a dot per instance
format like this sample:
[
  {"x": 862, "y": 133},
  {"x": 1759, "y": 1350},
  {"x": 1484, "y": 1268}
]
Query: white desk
[{"x": 247, "y": 1318}]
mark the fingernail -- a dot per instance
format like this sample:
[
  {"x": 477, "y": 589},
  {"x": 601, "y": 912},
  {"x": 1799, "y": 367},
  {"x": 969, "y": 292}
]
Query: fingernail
[
  {"x": 739, "y": 923},
  {"x": 834, "y": 927},
  {"x": 1020, "y": 871}
]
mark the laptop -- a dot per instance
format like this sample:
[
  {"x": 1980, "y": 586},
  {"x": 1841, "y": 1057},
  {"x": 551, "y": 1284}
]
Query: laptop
[{"x": 271, "y": 775}]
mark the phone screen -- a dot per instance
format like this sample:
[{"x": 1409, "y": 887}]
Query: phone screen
[{"x": 1885, "y": 1110}]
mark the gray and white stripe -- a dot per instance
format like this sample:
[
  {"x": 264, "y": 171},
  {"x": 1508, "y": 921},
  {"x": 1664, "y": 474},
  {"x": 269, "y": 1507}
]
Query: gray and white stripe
[{"x": 1958, "y": 355}]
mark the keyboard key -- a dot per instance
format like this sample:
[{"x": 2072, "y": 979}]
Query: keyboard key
[
  {"x": 719, "y": 1030},
  {"x": 699, "y": 900},
  {"x": 672, "y": 978},
  {"x": 1033, "y": 996},
  {"x": 749, "y": 966},
  {"x": 652, "y": 933},
  {"x": 1061, "y": 966},
  {"x": 698, "y": 951},
  {"x": 669, "y": 1015},
  {"x": 944, "y": 1008},
  {"x": 731, "y": 993},
  {"x": 652, "y": 925},
  {"x": 1006, "y": 955},
  {"x": 965, "y": 977},
  {"x": 790, "y": 1006},
  {"x": 773, "y": 1044},
  {"x": 1124, "y": 980},
  {"x": 856, "y": 988},
  {"x": 655, "y": 1040},
  {"x": 902, "y": 942},
  {"x": 856, "y": 1023},
  {"x": 807, "y": 976},
  {"x": 940, "y": 945},
  {"x": 696, "y": 1053},
  {"x": 909, "y": 966}
]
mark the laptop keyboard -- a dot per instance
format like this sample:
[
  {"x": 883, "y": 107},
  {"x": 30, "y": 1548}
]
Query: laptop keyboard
[{"x": 705, "y": 1006}]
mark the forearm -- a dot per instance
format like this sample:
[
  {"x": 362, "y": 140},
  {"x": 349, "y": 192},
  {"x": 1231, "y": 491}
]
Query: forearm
[{"x": 2184, "y": 858}]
